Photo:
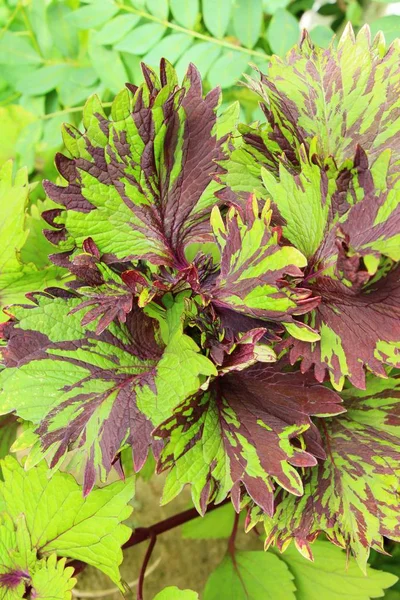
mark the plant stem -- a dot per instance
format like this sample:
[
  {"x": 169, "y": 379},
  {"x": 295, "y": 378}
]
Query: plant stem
[
  {"x": 145, "y": 533},
  {"x": 195, "y": 34},
  {"x": 146, "y": 560},
  {"x": 141, "y": 534},
  {"x": 232, "y": 539}
]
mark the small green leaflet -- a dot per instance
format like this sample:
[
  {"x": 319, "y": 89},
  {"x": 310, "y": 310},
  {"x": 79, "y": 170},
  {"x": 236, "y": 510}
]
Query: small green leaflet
[
  {"x": 96, "y": 392},
  {"x": 88, "y": 529}
]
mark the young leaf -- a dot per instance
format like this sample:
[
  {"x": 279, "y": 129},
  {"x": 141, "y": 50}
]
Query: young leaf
[
  {"x": 97, "y": 392},
  {"x": 154, "y": 192},
  {"x": 243, "y": 430},
  {"x": 352, "y": 495},
  {"x": 250, "y": 576},
  {"x": 52, "y": 580},
  {"x": 90, "y": 529}
]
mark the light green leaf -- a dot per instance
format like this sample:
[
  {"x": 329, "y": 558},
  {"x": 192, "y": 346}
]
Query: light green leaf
[
  {"x": 158, "y": 8},
  {"x": 37, "y": 16},
  {"x": 390, "y": 27},
  {"x": 43, "y": 80},
  {"x": 228, "y": 69},
  {"x": 271, "y": 6},
  {"x": 247, "y": 21},
  {"x": 322, "y": 35},
  {"x": 114, "y": 79},
  {"x": 142, "y": 39},
  {"x": 228, "y": 119},
  {"x": 64, "y": 33},
  {"x": 16, "y": 50},
  {"x": 171, "y": 47},
  {"x": 94, "y": 14},
  {"x": 13, "y": 119},
  {"x": 174, "y": 593},
  {"x": 185, "y": 12},
  {"x": 216, "y": 15},
  {"x": 214, "y": 525},
  {"x": 61, "y": 521},
  {"x": 332, "y": 576},
  {"x": 116, "y": 29},
  {"x": 283, "y": 32},
  {"x": 52, "y": 580},
  {"x": 202, "y": 54},
  {"x": 253, "y": 576}
]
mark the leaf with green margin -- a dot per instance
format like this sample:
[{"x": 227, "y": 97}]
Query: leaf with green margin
[
  {"x": 96, "y": 392},
  {"x": 174, "y": 593},
  {"x": 251, "y": 575},
  {"x": 332, "y": 575},
  {"x": 241, "y": 431},
  {"x": 152, "y": 142},
  {"x": 352, "y": 496},
  {"x": 52, "y": 580},
  {"x": 88, "y": 529}
]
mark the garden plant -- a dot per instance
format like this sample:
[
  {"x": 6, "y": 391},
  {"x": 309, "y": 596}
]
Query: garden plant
[{"x": 222, "y": 308}]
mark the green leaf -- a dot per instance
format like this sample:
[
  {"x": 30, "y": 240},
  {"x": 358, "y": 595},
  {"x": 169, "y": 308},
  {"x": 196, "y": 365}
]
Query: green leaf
[
  {"x": 253, "y": 576},
  {"x": 142, "y": 39},
  {"x": 185, "y": 12},
  {"x": 228, "y": 69},
  {"x": 8, "y": 433},
  {"x": 158, "y": 8},
  {"x": 173, "y": 593},
  {"x": 214, "y": 525},
  {"x": 216, "y": 15},
  {"x": 37, "y": 16},
  {"x": 52, "y": 580},
  {"x": 202, "y": 54},
  {"x": 172, "y": 47},
  {"x": 116, "y": 29},
  {"x": 390, "y": 27},
  {"x": 247, "y": 21},
  {"x": 64, "y": 33},
  {"x": 88, "y": 529},
  {"x": 332, "y": 575},
  {"x": 271, "y": 6},
  {"x": 283, "y": 32},
  {"x": 14, "y": 119},
  {"x": 16, "y": 50},
  {"x": 228, "y": 119},
  {"x": 114, "y": 79},
  {"x": 94, "y": 14},
  {"x": 43, "y": 80},
  {"x": 322, "y": 35}
]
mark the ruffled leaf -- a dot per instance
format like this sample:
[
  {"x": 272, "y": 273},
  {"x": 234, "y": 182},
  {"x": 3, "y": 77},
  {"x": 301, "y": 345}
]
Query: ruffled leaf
[
  {"x": 251, "y": 427},
  {"x": 141, "y": 182},
  {"x": 96, "y": 392},
  {"x": 352, "y": 496}
]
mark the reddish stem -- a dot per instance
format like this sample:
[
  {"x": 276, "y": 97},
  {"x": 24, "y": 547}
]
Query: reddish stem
[
  {"x": 146, "y": 559},
  {"x": 232, "y": 539}
]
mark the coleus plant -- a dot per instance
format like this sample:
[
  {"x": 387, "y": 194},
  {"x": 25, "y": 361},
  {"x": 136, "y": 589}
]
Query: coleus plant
[{"x": 205, "y": 262}]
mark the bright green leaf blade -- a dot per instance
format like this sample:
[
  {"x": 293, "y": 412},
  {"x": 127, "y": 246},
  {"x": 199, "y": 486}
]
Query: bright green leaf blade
[
  {"x": 116, "y": 29},
  {"x": 51, "y": 580},
  {"x": 87, "y": 529},
  {"x": 94, "y": 14},
  {"x": 216, "y": 524},
  {"x": 141, "y": 39},
  {"x": 253, "y": 576}
]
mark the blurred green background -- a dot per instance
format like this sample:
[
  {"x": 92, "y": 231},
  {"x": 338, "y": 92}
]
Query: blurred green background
[{"x": 55, "y": 53}]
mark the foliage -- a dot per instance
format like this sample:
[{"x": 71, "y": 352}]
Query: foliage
[{"x": 221, "y": 299}]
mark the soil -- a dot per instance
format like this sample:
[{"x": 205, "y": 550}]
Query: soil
[{"x": 179, "y": 562}]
